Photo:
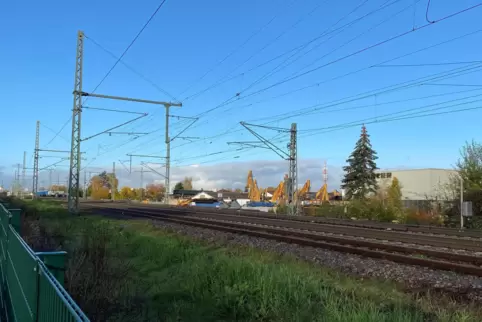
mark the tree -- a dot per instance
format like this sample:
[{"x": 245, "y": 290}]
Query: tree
[
  {"x": 394, "y": 194},
  {"x": 100, "y": 185},
  {"x": 359, "y": 180},
  {"x": 55, "y": 187},
  {"x": 469, "y": 165},
  {"x": 179, "y": 186},
  {"x": 127, "y": 193},
  {"x": 155, "y": 191},
  {"x": 140, "y": 193},
  {"x": 187, "y": 183}
]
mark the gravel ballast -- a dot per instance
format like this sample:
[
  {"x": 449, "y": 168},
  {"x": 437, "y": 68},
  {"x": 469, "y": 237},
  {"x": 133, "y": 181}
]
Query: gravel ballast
[{"x": 414, "y": 278}]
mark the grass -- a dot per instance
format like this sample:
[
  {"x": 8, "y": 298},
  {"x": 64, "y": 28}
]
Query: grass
[{"x": 132, "y": 271}]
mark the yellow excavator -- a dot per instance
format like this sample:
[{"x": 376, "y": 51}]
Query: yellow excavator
[
  {"x": 301, "y": 194},
  {"x": 254, "y": 193},
  {"x": 322, "y": 194},
  {"x": 278, "y": 193},
  {"x": 184, "y": 202}
]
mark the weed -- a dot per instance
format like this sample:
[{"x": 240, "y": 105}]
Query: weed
[{"x": 132, "y": 271}]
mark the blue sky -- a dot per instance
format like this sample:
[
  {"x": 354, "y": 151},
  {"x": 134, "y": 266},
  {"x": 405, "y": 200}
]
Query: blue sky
[{"x": 188, "y": 39}]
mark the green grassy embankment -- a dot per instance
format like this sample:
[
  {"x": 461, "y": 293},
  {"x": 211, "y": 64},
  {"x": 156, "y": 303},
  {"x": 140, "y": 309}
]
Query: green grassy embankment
[{"x": 132, "y": 271}]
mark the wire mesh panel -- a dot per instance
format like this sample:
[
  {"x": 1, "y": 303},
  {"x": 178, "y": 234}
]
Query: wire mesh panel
[
  {"x": 4, "y": 217},
  {"x": 4, "y": 222},
  {"x": 29, "y": 291},
  {"x": 21, "y": 273},
  {"x": 55, "y": 304}
]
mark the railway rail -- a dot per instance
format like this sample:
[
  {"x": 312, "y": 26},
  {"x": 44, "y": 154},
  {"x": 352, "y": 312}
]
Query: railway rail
[
  {"x": 335, "y": 221},
  {"x": 435, "y": 259},
  {"x": 442, "y": 241}
]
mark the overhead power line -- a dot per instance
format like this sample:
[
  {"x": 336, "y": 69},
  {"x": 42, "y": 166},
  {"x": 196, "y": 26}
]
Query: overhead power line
[
  {"x": 226, "y": 78},
  {"x": 351, "y": 73},
  {"x": 431, "y": 64},
  {"x": 285, "y": 63},
  {"x": 374, "y": 120},
  {"x": 58, "y": 132},
  {"x": 231, "y": 53},
  {"x": 53, "y": 131},
  {"x": 388, "y": 19},
  {"x": 403, "y": 114},
  {"x": 362, "y": 50},
  {"x": 235, "y": 97},
  {"x": 130, "y": 45},
  {"x": 352, "y": 98},
  {"x": 238, "y": 96},
  {"x": 142, "y": 76}
]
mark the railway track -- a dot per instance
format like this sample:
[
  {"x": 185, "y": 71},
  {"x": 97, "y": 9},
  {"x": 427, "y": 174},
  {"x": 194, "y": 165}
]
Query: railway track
[
  {"x": 422, "y": 229},
  {"x": 435, "y": 259},
  {"x": 448, "y": 242}
]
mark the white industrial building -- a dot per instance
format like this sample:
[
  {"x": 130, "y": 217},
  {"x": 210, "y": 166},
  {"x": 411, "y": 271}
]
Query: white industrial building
[{"x": 418, "y": 184}]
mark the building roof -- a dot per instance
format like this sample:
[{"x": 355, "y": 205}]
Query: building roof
[
  {"x": 205, "y": 195},
  {"x": 235, "y": 195},
  {"x": 213, "y": 194},
  {"x": 186, "y": 193},
  {"x": 419, "y": 169}
]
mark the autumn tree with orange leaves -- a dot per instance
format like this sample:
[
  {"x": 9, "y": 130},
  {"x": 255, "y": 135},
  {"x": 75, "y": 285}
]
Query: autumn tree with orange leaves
[
  {"x": 101, "y": 186},
  {"x": 155, "y": 192}
]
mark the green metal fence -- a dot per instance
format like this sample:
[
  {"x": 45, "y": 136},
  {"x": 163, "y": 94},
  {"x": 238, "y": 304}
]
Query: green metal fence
[{"x": 31, "y": 284}]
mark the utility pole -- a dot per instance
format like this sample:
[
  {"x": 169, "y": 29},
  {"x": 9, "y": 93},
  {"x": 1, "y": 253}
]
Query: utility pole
[
  {"x": 325, "y": 174},
  {"x": 291, "y": 156},
  {"x": 142, "y": 171},
  {"x": 85, "y": 184},
  {"x": 14, "y": 186},
  {"x": 168, "y": 159},
  {"x": 50, "y": 178},
  {"x": 166, "y": 178},
  {"x": 293, "y": 173},
  {"x": 24, "y": 169},
  {"x": 113, "y": 186},
  {"x": 74, "y": 171},
  {"x": 35, "y": 161},
  {"x": 17, "y": 180},
  {"x": 461, "y": 202},
  {"x": 293, "y": 147},
  {"x": 168, "y": 147},
  {"x": 142, "y": 184},
  {"x": 75, "y": 154}
]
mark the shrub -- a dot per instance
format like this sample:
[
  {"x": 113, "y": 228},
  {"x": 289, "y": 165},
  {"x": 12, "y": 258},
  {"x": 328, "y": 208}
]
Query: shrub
[
  {"x": 373, "y": 209},
  {"x": 421, "y": 217},
  {"x": 281, "y": 209},
  {"x": 326, "y": 210}
]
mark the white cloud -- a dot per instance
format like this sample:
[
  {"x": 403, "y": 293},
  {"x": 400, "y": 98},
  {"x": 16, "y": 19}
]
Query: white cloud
[
  {"x": 222, "y": 175},
  {"x": 234, "y": 174}
]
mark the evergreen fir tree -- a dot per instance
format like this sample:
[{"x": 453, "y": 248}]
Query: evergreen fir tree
[{"x": 359, "y": 180}]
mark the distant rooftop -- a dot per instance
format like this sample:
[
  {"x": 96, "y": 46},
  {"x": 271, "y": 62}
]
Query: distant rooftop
[{"x": 414, "y": 169}]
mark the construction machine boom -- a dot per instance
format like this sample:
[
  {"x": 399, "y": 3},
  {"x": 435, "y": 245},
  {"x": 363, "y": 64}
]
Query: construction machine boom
[
  {"x": 254, "y": 194},
  {"x": 300, "y": 195},
  {"x": 322, "y": 194},
  {"x": 278, "y": 192}
]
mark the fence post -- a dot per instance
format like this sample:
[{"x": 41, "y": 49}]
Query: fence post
[
  {"x": 16, "y": 219},
  {"x": 3, "y": 245},
  {"x": 55, "y": 262}
]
